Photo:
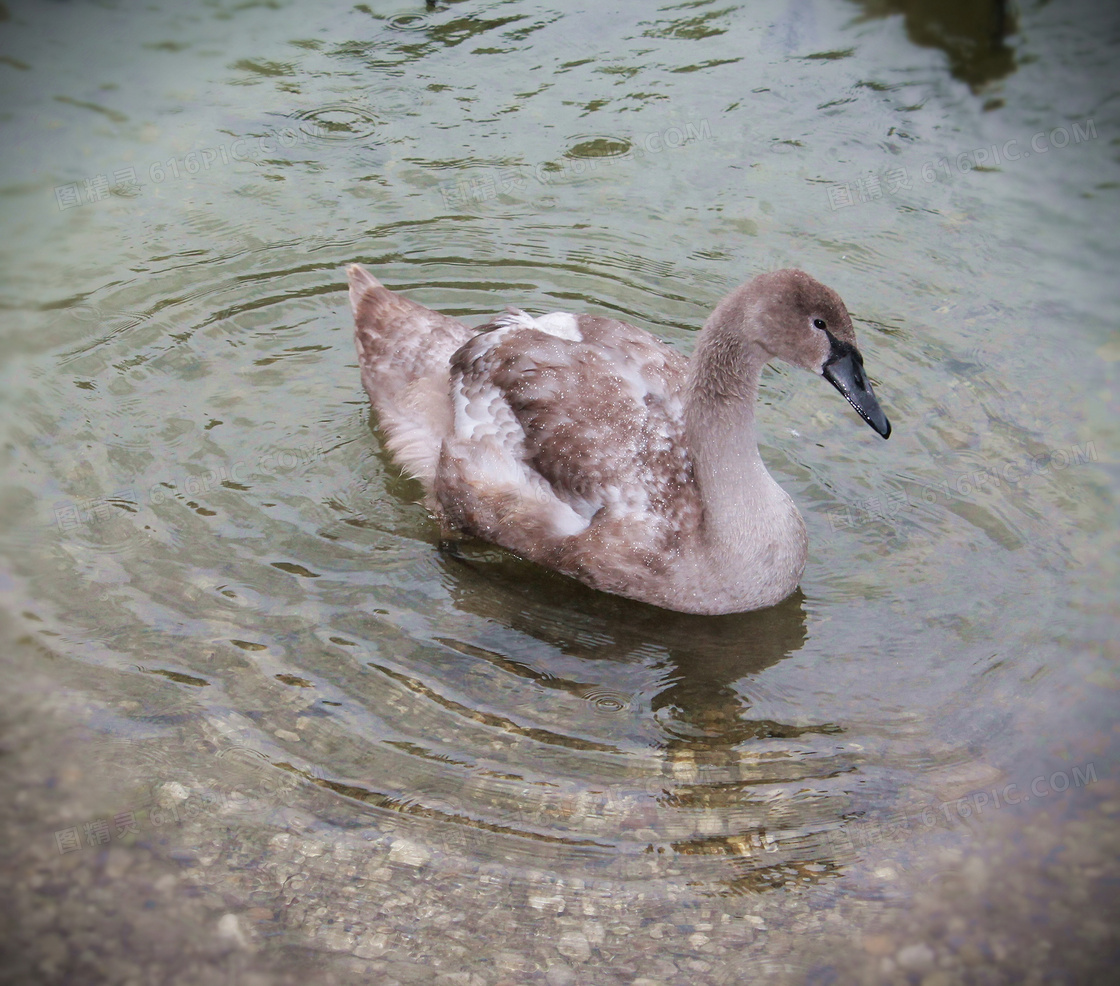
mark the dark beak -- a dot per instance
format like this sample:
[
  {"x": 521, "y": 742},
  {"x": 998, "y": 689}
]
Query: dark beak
[{"x": 844, "y": 370}]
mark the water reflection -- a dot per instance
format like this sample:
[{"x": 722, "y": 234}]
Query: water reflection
[
  {"x": 972, "y": 34},
  {"x": 694, "y": 662},
  {"x": 689, "y": 753}
]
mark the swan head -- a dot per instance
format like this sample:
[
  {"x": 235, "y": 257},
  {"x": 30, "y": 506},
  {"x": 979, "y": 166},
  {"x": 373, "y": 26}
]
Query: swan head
[{"x": 793, "y": 317}]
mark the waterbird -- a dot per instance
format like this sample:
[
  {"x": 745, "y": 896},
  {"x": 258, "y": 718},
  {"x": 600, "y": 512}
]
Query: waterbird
[{"x": 586, "y": 445}]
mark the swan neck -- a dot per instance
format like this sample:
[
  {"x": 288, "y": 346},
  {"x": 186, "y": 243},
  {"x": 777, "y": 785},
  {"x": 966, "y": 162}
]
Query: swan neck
[{"x": 722, "y": 391}]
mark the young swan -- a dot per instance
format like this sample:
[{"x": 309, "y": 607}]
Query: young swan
[{"x": 586, "y": 445}]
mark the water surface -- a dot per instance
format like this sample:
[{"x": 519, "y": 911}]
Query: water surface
[{"x": 358, "y": 753}]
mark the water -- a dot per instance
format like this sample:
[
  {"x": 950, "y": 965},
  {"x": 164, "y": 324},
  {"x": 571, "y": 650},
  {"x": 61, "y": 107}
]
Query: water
[{"x": 351, "y": 752}]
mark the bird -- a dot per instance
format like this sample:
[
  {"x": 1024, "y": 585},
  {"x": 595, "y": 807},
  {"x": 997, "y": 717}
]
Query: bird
[{"x": 588, "y": 446}]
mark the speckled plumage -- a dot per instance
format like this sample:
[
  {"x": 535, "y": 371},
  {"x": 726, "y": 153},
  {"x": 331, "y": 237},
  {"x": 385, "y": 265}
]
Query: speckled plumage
[{"x": 571, "y": 441}]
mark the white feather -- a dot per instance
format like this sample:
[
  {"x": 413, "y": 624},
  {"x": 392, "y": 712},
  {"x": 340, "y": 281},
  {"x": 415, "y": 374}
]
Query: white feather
[{"x": 563, "y": 325}]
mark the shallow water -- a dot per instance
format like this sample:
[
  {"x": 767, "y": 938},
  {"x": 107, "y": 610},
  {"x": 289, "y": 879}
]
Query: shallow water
[{"x": 356, "y": 752}]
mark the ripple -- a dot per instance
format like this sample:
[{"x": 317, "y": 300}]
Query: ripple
[
  {"x": 597, "y": 146},
  {"x": 243, "y": 754},
  {"x": 459, "y": 831},
  {"x": 496, "y": 711},
  {"x": 113, "y": 324},
  {"x": 115, "y": 534},
  {"x": 605, "y": 702},
  {"x": 412, "y": 21},
  {"x": 338, "y": 122}
]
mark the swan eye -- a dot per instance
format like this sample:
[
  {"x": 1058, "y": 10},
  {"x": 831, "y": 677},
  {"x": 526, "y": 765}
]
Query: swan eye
[{"x": 818, "y": 323}]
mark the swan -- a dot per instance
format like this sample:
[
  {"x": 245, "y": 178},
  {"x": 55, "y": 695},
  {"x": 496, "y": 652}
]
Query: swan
[{"x": 584, "y": 444}]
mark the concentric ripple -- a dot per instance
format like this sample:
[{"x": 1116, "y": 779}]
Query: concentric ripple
[
  {"x": 341, "y": 121},
  {"x": 499, "y": 706},
  {"x": 410, "y": 21},
  {"x": 493, "y": 710},
  {"x": 597, "y": 146}
]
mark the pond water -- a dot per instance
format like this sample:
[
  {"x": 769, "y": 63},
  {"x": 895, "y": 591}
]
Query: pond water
[{"x": 264, "y": 727}]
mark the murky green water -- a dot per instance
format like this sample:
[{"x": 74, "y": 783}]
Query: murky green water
[{"x": 356, "y": 754}]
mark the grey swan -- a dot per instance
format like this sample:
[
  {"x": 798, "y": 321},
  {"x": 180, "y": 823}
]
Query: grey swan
[{"x": 586, "y": 445}]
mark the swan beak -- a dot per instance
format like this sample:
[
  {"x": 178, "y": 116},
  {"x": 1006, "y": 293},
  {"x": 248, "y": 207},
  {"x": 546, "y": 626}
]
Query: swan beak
[{"x": 844, "y": 370}]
